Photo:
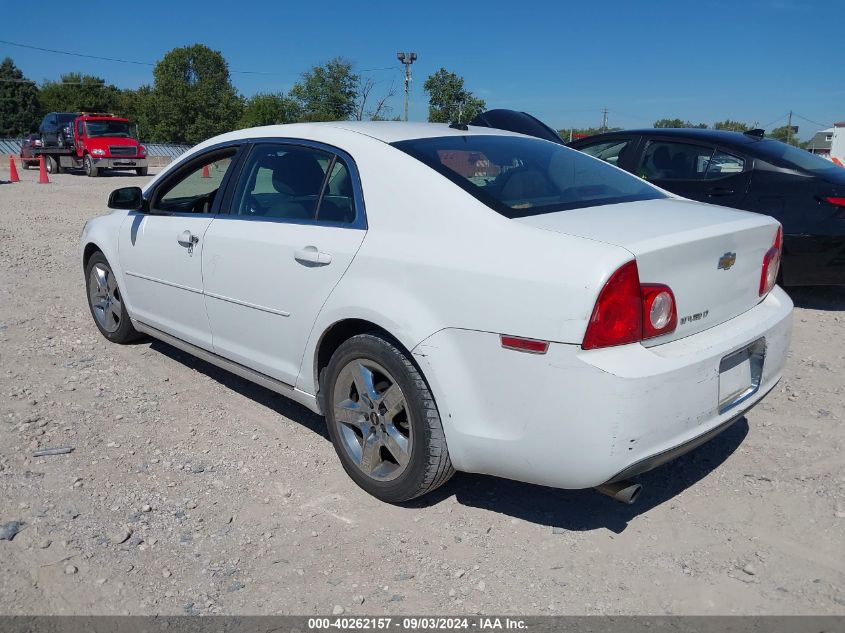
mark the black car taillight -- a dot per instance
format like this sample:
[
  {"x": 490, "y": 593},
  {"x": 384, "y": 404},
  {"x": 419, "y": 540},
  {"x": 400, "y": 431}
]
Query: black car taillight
[{"x": 837, "y": 201}]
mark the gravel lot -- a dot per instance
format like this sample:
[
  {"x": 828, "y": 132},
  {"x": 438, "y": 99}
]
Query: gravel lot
[{"x": 193, "y": 491}]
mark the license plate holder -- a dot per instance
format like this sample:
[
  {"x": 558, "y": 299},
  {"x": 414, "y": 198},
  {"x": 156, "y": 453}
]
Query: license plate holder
[{"x": 740, "y": 373}]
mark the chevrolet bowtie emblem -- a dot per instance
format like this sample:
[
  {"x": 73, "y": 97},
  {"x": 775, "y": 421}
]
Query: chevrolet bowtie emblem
[{"x": 727, "y": 260}]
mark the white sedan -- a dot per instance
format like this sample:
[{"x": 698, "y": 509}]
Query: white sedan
[{"x": 451, "y": 298}]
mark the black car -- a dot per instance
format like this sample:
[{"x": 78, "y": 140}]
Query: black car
[
  {"x": 745, "y": 171},
  {"x": 55, "y": 128}
]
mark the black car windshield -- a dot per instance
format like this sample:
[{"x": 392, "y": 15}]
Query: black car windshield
[
  {"x": 518, "y": 177},
  {"x": 784, "y": 155},
  {"x": 107, "y": 128}
]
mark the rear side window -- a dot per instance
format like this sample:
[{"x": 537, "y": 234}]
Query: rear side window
[
  {"x": 723, "y": 165},
  {"x": 675, "y": 161},
  {"x": 289, "y": 182},
  {"x": 519, "y": 177}
]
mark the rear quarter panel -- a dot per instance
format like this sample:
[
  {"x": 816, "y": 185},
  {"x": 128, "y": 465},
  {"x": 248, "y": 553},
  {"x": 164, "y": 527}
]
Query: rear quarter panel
[{"x": 434, "y": 257}]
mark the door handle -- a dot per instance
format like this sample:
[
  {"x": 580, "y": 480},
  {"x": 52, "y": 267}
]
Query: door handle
[
  {"x": 312, "y": 256},
  {"x": 186, "y": 238},
  {"x": 719, "y": 191}
]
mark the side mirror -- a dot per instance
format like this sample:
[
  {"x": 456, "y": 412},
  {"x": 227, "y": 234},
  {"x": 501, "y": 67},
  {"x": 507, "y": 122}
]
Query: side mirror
[{"x": 128, "y": 198}]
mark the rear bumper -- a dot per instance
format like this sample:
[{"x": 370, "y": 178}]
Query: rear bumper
[
  {"x": 576, "y": 419},
  {"x": 119, "y": 163}
]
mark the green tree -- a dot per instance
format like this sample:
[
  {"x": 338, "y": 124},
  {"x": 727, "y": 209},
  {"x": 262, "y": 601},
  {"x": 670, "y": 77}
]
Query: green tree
[
  {"x": 327, "y": 92},
  {"x": 18, "y": 101},
  {"x": 731, "y": 126},
  {"x": 75, "y": 92},
  {"x": 448, "y": 100},
  {"x": 785, "y": 135},
  {"x": 135, "y": 105},
  {"x": 192, "y": 97},
  {"x": 675, "y": 123},
  {"x": 269, "y": 109}
]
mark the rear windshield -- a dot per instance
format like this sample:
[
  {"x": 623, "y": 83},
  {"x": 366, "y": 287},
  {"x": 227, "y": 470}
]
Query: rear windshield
[
  {"x": 784, "y": 155},
  {"x": 518, "y": 176}
]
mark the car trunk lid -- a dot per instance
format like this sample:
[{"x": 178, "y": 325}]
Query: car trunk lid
[{"x": 711, "y": 257}]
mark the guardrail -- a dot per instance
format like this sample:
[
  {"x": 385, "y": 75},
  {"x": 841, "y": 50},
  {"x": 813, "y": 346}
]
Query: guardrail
[{"x": 157, "y": 150}]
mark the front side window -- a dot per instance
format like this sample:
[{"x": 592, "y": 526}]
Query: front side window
[
  {"x": 288, "y": 182},
  {"x": 194, "y": 189},
  {"x": 609, "y": 151},
  {"x": 517, "y": 176},
  {"x": 664, "y": 160}
]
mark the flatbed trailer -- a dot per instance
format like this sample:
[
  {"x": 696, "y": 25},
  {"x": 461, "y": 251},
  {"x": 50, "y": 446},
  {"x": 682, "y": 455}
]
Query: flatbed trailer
[{"x": 61, "y": 159}]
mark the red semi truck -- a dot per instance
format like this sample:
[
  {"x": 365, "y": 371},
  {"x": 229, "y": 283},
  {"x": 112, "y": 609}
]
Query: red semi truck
[{"x": 94, "y": 142}]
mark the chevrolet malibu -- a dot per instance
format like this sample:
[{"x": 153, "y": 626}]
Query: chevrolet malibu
[{"x": 451, "y": 298}]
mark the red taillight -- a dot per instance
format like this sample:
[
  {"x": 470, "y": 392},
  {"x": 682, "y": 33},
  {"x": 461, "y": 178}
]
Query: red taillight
[
  {"x": 618, "y": 315},
  {"x": 837, "y": 201},
  {"x": 524, "y": 344},
  {"x": 771, "y": 264},
  {"x": 628, "y": 312}
]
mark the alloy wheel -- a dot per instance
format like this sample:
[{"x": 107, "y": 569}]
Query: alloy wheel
[
  {"x": 373, "y": 419},
  {"x": 105, "y": 298}
]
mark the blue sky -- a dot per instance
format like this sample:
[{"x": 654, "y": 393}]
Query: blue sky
[{"x": 751, "y": 60}]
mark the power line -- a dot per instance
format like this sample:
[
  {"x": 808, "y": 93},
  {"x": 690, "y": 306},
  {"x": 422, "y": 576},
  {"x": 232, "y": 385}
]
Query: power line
[
  {"x": 115, "y": 59},
  {"x": 782, "y": 116},
  {"x": 825, "y": 125}
]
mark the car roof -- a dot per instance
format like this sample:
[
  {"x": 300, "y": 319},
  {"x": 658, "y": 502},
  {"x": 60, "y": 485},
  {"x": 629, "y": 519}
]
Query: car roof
[
  {"x": 386, "y": 131},
  {"x": 723, "y": 137}
]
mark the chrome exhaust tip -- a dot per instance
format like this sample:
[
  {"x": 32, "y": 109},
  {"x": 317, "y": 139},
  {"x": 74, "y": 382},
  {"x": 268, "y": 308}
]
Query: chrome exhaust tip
[{"x": 625, "y": 491}]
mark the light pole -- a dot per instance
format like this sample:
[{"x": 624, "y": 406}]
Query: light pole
[{"x": 406, "y": 59}]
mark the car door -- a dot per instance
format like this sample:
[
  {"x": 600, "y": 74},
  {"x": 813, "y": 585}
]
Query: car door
[
  {"x": 698, "y": 171},
  {"x": 295, "y": 221},
  {"x": 160, "y": 250},
  {"x": 618, "y": 151}
]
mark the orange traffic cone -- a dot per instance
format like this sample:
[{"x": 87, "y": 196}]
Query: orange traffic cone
[
  {"x": 42, "y": 171},
  {"x": 13, "y": 171},
  {"x": 205, "y": 173}
]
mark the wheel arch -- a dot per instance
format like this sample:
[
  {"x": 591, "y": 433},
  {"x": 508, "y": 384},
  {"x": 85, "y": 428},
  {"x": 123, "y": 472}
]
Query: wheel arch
[
  {"x": 88, "y": 252},
  {"x": 340, "y": 331}
]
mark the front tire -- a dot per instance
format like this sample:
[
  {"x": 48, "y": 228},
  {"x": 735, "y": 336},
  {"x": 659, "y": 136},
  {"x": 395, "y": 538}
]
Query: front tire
[
  {"x": 90, "y": 169},
  {"x": 383, "y": 421},
  {"x": 105, "y": 300},
  {"x": 142, "y": 171}
]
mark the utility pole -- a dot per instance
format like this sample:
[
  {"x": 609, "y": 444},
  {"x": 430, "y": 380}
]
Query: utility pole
[
  {"x": 789, "y": 129},
  {"x": 407, "y": 59},
  {"x": 604, "y": 119}
]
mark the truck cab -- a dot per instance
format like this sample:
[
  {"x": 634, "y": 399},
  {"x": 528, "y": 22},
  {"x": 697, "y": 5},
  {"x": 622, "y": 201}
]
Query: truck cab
[{"x": 104, "y": 141}]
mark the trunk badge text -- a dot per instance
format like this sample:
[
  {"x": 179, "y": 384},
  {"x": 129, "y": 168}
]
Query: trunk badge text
[{"x": 726, "y": 261}]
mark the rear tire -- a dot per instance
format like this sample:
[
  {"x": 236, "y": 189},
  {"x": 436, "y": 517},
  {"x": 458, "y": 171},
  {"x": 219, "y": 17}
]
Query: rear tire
[
  {"x": 142, "y": 171},
  {"x": 105, "y": 301},
  {"x": 90, "y": 170},
  {"x": 388, "y": 436}
]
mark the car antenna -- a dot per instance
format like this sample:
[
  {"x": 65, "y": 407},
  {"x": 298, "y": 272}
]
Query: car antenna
[{"x": 755, "y": 133}]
